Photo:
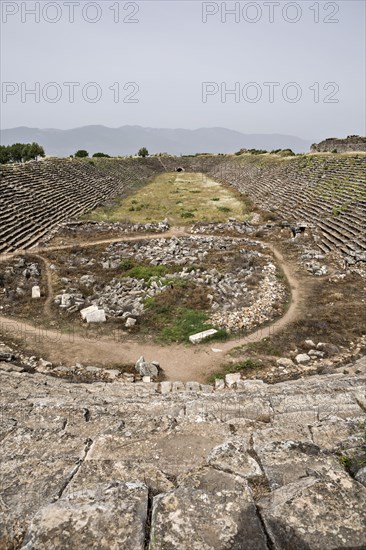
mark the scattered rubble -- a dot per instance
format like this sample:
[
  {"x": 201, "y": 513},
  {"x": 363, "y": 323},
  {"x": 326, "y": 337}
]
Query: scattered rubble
[{"x": 235, "y": 303}]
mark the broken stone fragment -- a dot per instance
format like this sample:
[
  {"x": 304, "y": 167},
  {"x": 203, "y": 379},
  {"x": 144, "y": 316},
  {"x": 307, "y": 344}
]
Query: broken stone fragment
[
  {"x": 302, "y": 359},
  {"x": 147, "y": 369},
  {"x": 131, "y": 322}
]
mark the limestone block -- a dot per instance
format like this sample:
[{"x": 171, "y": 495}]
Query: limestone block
[
  {"x": 36, "y": 292},
  {"x": 200, "y": 336}
]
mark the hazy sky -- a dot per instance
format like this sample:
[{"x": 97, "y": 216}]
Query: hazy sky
[{"x": 180, "y": 68}]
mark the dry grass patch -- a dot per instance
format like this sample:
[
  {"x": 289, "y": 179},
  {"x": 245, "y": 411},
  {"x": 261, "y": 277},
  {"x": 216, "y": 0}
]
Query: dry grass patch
[{"x": 182, "y": 198}]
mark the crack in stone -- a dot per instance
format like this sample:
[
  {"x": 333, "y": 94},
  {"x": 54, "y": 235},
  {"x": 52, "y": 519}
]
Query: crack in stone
[
  {"x": 269, "y": 543},
  {"x": 74, "y": 471},
  {"x": 149, "y": 510},
  {"x": 361, "y": 403}
]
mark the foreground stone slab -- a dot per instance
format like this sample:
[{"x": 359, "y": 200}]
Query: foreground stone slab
[
  {"x": 286, "y": 461},
  {"x": 200, "y": 336},
  {"x": 319, "y": 512},
  {"x": 203, "y": 455},
  {"x": 110, "y": 516},
  {"x": 233, "y": 456},
  {"x": 197, "y": 519}
]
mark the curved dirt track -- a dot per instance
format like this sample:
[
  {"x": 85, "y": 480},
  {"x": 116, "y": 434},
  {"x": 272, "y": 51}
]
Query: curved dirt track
[{"x": 180, "y": 362}]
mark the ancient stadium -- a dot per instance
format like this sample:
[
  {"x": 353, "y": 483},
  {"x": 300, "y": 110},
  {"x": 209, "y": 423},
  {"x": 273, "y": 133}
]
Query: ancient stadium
[{"x": 183, "y": 352}]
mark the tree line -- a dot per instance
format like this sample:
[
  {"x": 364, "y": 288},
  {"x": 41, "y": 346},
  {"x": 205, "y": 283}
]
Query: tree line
[
  {"x": 82, "y": 153},
  {"x": 20, "y": 152}
]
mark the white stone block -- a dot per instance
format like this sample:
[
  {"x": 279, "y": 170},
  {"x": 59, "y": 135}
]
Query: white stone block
[
  {"x": 84, "y": 312},
  {"x": 232, "y": 379},
  {"x": 165, "y": 387},
  {"x": 131, "y": 322},
  {"x": 96, "y": 316},
  {"x": 36, "y": 292},
  {"x": 219, "y": 384},
  {"x": 197, "y": 338},
  {"x": 302, "y": 359}
]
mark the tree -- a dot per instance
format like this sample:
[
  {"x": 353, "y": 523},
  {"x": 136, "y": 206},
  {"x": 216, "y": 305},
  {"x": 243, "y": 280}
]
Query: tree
[
  {"x": 4, "y": 154},
  {"x": 143, "y": 152},
  {"x": 81, "y": 154},
  {"x": 20, "y": 152},
  {"x": 101, "y": 155},
  {"x": 31, "y": 151},
  {"x": 16, "y": 152},
  {"x": 36, "y": 151}
]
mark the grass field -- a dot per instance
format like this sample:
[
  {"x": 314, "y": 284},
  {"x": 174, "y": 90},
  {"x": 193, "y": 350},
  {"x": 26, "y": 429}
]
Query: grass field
[{"x": 182, "y": 198}]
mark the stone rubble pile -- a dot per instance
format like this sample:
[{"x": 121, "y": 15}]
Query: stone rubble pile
[
  {"x": 234, "y": 305},
  {"x": 19, "y": 279},
  {"x": 269, "y": 294},
  {"x": 231, "y": 226},
  {"x": 83, "y": 228},
  {"x": 311, "y": 259}
]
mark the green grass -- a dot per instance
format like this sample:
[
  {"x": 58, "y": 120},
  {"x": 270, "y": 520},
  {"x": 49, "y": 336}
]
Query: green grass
[
  {"x": 186, "y": 215},
  {"x": 178, "y": 197},
  {"x": 130, "y": 268},
  {"x": 264, "y": 347},
  {"x": 177, "y": 323},
  {"x": 146, "y": 272}
]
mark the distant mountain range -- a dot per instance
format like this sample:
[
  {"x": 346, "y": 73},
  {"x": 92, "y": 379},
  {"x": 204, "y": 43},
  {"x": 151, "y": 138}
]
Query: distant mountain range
[{"x": 127, "y": 140}]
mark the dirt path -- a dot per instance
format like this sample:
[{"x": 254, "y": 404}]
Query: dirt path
[{"x": 180, "y": 362}]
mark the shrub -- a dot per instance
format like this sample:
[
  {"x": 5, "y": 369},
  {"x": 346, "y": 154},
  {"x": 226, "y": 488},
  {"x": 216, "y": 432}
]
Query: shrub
[
  {"x": 81, "y": 153},
  {"x": 101, "y": 155}
]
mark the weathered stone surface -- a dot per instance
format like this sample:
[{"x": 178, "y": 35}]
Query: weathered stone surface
[
  {"x": 232, "y": 379},
  {"x": 9, "y": 367},
  {"x": 286, "y": 461},
  {"x": 285, "y": 362},
  {"x": 88, "y": 311},
  {"x": 302, "y": 359},
  {"x": 334, "y": 433},
  {"x": 146, "y": 369},
  {"x": 319, "y": 512},
  {"x": 361, "y": 476},
  {"x": 131, "y": 322},
  {"x": 233, "y": 456},
  {"x": 210, "y": 453},
  {"x": 205, "y": 518},
  {"x": 165, "y": 387},
  {"x": 109, "y": 516},
  {"x": 96, "y": 316}
]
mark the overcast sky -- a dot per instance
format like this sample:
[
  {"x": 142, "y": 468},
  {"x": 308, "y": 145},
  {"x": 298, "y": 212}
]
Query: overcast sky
[{"x": 180, "y": 68}]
